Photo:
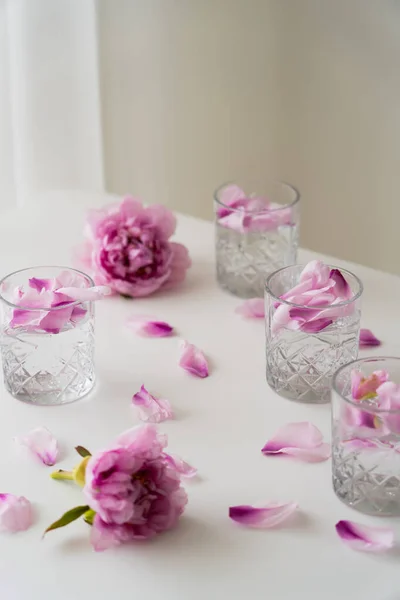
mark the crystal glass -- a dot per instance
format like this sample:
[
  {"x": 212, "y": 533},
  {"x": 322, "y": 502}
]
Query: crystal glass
[
  {"x": 365, "y": 443},
  {"x": 42, "y": 367},
  {"x": 251, "y": 244},
  {"x": 300, "y": 365}
]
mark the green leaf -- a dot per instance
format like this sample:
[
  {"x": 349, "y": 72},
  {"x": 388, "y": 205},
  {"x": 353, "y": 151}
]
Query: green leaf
[
  {"x": 68, "y": 517},
  {"x": 81, "y": 450},
  {"x": 89, "y": 516}
]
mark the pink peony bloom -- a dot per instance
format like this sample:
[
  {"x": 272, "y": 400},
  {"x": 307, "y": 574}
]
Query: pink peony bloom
[
  {"x": 134, "y": 488},
  {"x": 128, "y": 248}
]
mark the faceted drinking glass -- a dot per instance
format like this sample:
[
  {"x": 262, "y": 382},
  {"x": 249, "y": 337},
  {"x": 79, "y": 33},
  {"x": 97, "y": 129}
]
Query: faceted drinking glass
[
  {"x": 251, "y": 244},
  {"x": 300, "y": 365},
  {"x": 46, "y": 365},
  {"x": 365, "y": 443}
]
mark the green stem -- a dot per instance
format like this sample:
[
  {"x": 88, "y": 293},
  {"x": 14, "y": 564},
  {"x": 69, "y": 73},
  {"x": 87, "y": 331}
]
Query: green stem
[{"x": 63, "y": 475}]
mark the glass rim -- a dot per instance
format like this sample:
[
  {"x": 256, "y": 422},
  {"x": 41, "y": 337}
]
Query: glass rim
[
  {"x": 41, "y": 308},
  {"x": 276, "y": 209},
  {"x": 316, "y": 307},
  {"x": 358, "y": 404}
]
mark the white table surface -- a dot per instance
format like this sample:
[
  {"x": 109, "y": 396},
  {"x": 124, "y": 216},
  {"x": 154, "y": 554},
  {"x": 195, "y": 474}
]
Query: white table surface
[{"x": 221, "y": 424}]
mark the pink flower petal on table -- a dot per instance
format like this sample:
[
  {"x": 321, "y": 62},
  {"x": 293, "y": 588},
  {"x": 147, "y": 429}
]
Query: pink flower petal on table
[
  {"x": 15, "y": 513},
  {"x": 302, "y": 440},
  {"x": 365, "y": 537},
  {"x": 193, "y": 360},
  {"x": 42, "y": 443},
  {"x": 181, "y": 465},
  {"x": 149, "y": 328},
  {"x": 367, "y": 339},
  {"x": 151, "y": 409},
  {"x": 86, "y": 294},
  {"x": 253, "y": 308},
  {"x": 261, "y": 517}
]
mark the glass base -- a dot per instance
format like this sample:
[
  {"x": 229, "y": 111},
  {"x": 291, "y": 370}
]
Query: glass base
[
  {"x": 369, "y": 482},
  {"x": 298, "y": 390}
]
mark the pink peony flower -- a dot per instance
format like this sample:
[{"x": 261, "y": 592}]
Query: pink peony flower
[
  {"x": 134, "y": 488},
  {"x": 128, "y": 248}
]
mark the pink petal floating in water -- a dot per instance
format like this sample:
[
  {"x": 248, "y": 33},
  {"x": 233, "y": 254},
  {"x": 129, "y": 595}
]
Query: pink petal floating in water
[
  {"x": 362, "y": 387},
  {"x": 42, "y": 443},
  {"x": 365, "y": 537},
  {"x": 15, "y": 513},
  {"x": 341, "y": 287},
  {"x": 181, "y": 465},
  {"x": 151, "y": 409},
  {"x": 150, "y": 328},
  {"x": 42, "y": 284},
  {"x": 252, "y": 309},
  {"x": 193, "y": 360},
  {"x": 317, "y": 271},
  {"x": 367, "y": 339},
  {"x": 262, "y": 517},
  {"x": 301, "y": 440}
]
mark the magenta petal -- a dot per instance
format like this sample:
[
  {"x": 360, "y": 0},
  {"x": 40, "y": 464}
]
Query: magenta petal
[
  {"x": 151, "y": 409},
  {"x": 316, "y": 326},
  {"x": 42, "y": 284},
  {"x": 301, "y": 440},
  {"x": 15, "y": 513},
  {"x": 252, "y": 309},
  {"x": 261, "y": 517},
  {"x": 193, "y": 360},
  {"x": 365, "y": 537},
  {"x": 367, "y": 339},
  {"x": 55, "y": 320},
  {"x": 42, "y": 443},
  {"x": 181, "y": 466},
  {"x": 342, "y": 287},
  {"x": 85, "y": 294},
  {"x": 150, "y": 328}
]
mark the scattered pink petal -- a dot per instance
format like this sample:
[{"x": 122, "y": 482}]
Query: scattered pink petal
[
  {"x": 262, "y": 517},
  {"x": 149, "y": 328},
  {"x": 151, "y": 409},
  {"x": 15, "y": 513},
  {"x": 86, "y": 294},
  {"x": 367, "y": 339},
  {"x": 301, "y": 440},
  {"x": 193, "y": 360},
  {"x": 252, "y": 309},
  {"x": 365, "y": 537},
  {"x": 181, "y": 465},
  {"x": 42, "y": 443}
]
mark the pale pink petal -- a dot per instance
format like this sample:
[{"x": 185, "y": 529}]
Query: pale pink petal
[
  {"x": 54, "y": 320},
  {"x": 302, "y": 440},
  {"x": 42, "y": 443},
  {"x": 317, "y": 271},
  {"x": 163, "y": 219},
  {"x": 86, "y": 294},
  {"x": 15, "y": 513},
  {"x": 238, "y": 221},
  {"x": 281, "y": 319},
  {"x": 150, "y": 328},
  {"x": 103, "y": 536},
  {"x": 181, "y": 465},
  {"x": 42, "y": 284},
  {"x": 265, "y": 221},
  {"x": 262, "y": 517},
  {"x": 252, "y": 309},
  {"x": 229, "y": 196},
  {"x": 151, "y": 409},
  {"x": 362, "y": 387},
  {"x": 389, "y": 395},
  {"x": 193, "y": 360},
  {"x": 367, "y": 339},
  {"x": 365, "y": 537}
]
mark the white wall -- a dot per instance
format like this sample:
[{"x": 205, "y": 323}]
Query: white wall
[{"x": 195, "y": 92}]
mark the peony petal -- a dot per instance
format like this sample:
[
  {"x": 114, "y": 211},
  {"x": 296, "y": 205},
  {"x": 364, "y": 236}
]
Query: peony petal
[
  {"x": 238, "y": 221},
  {"x": 15, "y": 513},
  {"x": 193, "y": 360},
  {"x": 42, "y": 443},
  {"x": 365, "y": 537},
  {"x": 301, "y": 440},
  {"x": 367, "y": 339},
  {"x": 230, "y": 196},
  {"x": 42, "y": 284},
  {"x": 149, "y": 328},
  {"x": 363, "y": 388},
  {"x": 317, "y": 271},
  {"x": 55, "y": 320},
  {"x": 86, "y": 294},
  {"x": 151, "y": 409},
  {"x": 181, "y": 465},
  {"x": 316, "y": 326},
  {"x": 342, "y": 287},
  {"x": 253, "y": 308},
  {"x": 261, "y": 517},
  {"x": 163, "y": 219}
]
